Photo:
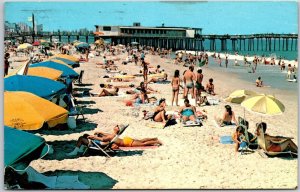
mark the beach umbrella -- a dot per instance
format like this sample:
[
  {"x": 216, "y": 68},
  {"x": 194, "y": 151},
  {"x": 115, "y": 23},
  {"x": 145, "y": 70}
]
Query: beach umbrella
[
  {"x": 99, "y": 42},
  {"x": 36, "y": 43},
  {"x": 26, "y": 111},
  {"x": 44, "y": 72},
  {"x": 40, "y": 86},
  {"x": 20, "y": 148},
  {"x": 83, "y": 45},
  {"x": 264, "y": 104},
  {"x": 69, "y": 57},
  {"x": 73, "y": 64},
  {"x": 24, "y": 46},
  {"x": 46, "y": 44},
  {"x": 67, "y": 70},
  {"x": 43, "y": 41},
  {"x": 238, "y": 96},
  {"x": 201, "y": 64}
]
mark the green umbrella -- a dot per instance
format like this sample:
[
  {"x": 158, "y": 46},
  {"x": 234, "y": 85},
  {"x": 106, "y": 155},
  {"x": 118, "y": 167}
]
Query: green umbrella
[{"x": 20, "y": 148}]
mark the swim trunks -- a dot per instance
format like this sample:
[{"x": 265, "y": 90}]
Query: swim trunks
[{"x": 189, "y": 85}]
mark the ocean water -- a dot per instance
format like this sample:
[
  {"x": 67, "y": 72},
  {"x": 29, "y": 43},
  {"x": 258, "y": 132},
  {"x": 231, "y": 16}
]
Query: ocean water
[{"x": 271, "y": 75}]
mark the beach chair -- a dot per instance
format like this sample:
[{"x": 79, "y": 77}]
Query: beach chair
[
  {"x": 75, "y": 110},
  {"x": 262, "y": 144},
  {"x": 79, "y": 80},
  {"x": 106, "y": 149},
  {"x": 245, "y": 124}
]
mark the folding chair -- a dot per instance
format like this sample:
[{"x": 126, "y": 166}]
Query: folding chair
[
  {"x": 107, "y": 149},
  {"x": 79, "y": 80},
  {"x": 75, "y": 110}
]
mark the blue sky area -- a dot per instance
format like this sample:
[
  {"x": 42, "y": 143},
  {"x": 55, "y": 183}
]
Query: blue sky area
[{"x": 213, "y": 17}]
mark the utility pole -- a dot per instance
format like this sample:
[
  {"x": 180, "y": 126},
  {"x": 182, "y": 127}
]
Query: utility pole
[{"x": 33, "y": 34}]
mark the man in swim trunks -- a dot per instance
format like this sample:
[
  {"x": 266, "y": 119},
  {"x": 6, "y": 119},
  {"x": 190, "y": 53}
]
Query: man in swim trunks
[
  {"x": 102, "y": 139},
  {"x": 188, "y": 78},
  {"x": 198, "y": 85}
]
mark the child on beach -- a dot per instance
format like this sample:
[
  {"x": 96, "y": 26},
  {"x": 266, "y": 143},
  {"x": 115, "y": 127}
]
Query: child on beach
[
  {"x": 210, "y": 88},
  {"x": 175, "y": 87},
  {"x": 259, "y": 82},
  {"x": 239, "y": 138}
]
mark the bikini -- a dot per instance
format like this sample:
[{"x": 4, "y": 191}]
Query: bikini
[{"x": 187, "y": 112}]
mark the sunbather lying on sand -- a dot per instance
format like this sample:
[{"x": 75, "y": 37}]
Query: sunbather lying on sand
[
  {"x": 105, "y": 92},
  {"x": 227, "y": 118},
  {"x": 102, "y": 139},
  {"x": 274, "y": 143}
]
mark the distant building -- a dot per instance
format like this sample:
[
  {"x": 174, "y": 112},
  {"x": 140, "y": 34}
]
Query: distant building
[
  {"x": 39, "y": 28},
  {"x": 139, "y": 31},
  {"x": 10, "y": 27},
  {"x": 23, "y": 27}
]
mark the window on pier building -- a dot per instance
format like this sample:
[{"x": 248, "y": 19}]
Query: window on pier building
[{"x": 106, "y": 28}]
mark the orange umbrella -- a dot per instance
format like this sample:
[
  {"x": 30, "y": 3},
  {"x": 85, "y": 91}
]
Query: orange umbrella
[
  {"x": 26, "y": 111},
  {"x": 44, "y": 72}
]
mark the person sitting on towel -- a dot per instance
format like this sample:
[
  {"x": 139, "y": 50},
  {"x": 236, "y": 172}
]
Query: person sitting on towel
[
  {"x": 188, "y": 112},
  {"x": 102, "y": 139},
  {"x": 160, "y": 112},
  {"x": 227, "y": 118}
]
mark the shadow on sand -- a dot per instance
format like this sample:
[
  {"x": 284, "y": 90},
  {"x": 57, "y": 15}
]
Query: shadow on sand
[
  {"x": 96, "y": 180},
  {"x": 84, "y": 84}
]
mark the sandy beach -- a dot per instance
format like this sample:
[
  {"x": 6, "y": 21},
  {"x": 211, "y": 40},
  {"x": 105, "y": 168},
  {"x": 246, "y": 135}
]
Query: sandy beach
[{"x": 190, "y": 157}]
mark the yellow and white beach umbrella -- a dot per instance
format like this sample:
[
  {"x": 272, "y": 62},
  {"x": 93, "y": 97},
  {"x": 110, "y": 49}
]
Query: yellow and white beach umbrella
[
  {"x": 24, "y": 46},
  {"x": 238, "y": 96},
  {"x": 264, "y": 104}
]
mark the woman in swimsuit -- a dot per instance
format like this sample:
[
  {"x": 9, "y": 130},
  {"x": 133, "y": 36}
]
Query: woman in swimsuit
[
  {"x": 175, "y": 87},
  {"x": 103, "y": 139},
  {"x": 227, "y": 118},
  {"x": 160, "y": 113},
  {"x": 274, "y": 143},
  {"x": 188, "y": 112}
]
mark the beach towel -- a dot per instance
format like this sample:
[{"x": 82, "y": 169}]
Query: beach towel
[
  {"x": 163, "y": 82},
  {"x": 226, "y": 140},
  {"x": 226, "y": 126},
  {"x": 137, "y": 148},
  {"x": 192, "y": 123}
]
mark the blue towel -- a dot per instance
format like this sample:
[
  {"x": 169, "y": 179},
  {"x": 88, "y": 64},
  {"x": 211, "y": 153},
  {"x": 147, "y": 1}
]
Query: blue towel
[{"x": 226, "y": 140}]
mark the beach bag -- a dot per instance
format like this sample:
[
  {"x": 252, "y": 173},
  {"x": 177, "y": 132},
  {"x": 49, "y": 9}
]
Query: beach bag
[
  {"x": 149, "y": 115},
  {"x": 71, "y": 122}
]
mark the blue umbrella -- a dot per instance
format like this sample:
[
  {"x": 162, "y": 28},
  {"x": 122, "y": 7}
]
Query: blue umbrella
[
  {"x": 40, "y": 86},
  {"x": 67, "y": 61},
  {"x": 67, "y": 71},
  {"x": 20, "y": 148}
]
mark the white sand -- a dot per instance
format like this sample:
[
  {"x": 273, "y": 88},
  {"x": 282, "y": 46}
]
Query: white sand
[{"x": 190, "y": 158}]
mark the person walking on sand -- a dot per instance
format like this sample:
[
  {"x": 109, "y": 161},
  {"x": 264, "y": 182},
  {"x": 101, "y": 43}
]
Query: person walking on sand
[
  {"x": 226, "y": 61},
  {"x": 6, "y": 63},
  {"x": 188, "y": 78},
  {"x": 175, "y": 87}
]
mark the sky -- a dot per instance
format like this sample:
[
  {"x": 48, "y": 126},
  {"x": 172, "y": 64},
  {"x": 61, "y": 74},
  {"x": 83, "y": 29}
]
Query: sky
[{"x": 213, "y": 17}]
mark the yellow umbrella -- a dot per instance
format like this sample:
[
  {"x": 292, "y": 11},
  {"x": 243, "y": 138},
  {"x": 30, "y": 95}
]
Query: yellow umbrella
[
  {"x": 238, "y": 96},
  {"x": 157, "y": 75},
  {"x": 24, "y": 46},
  {"x": 43, "y": 41},
  {"x": 69, "y": 57},
  {"x": 58, "y": 61},
  {"x": 99, "y": 42},
  {"x": 44, "y": 72},
  {"x": 26, "y": 111},
  {"x": 264, "y": 104}
]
